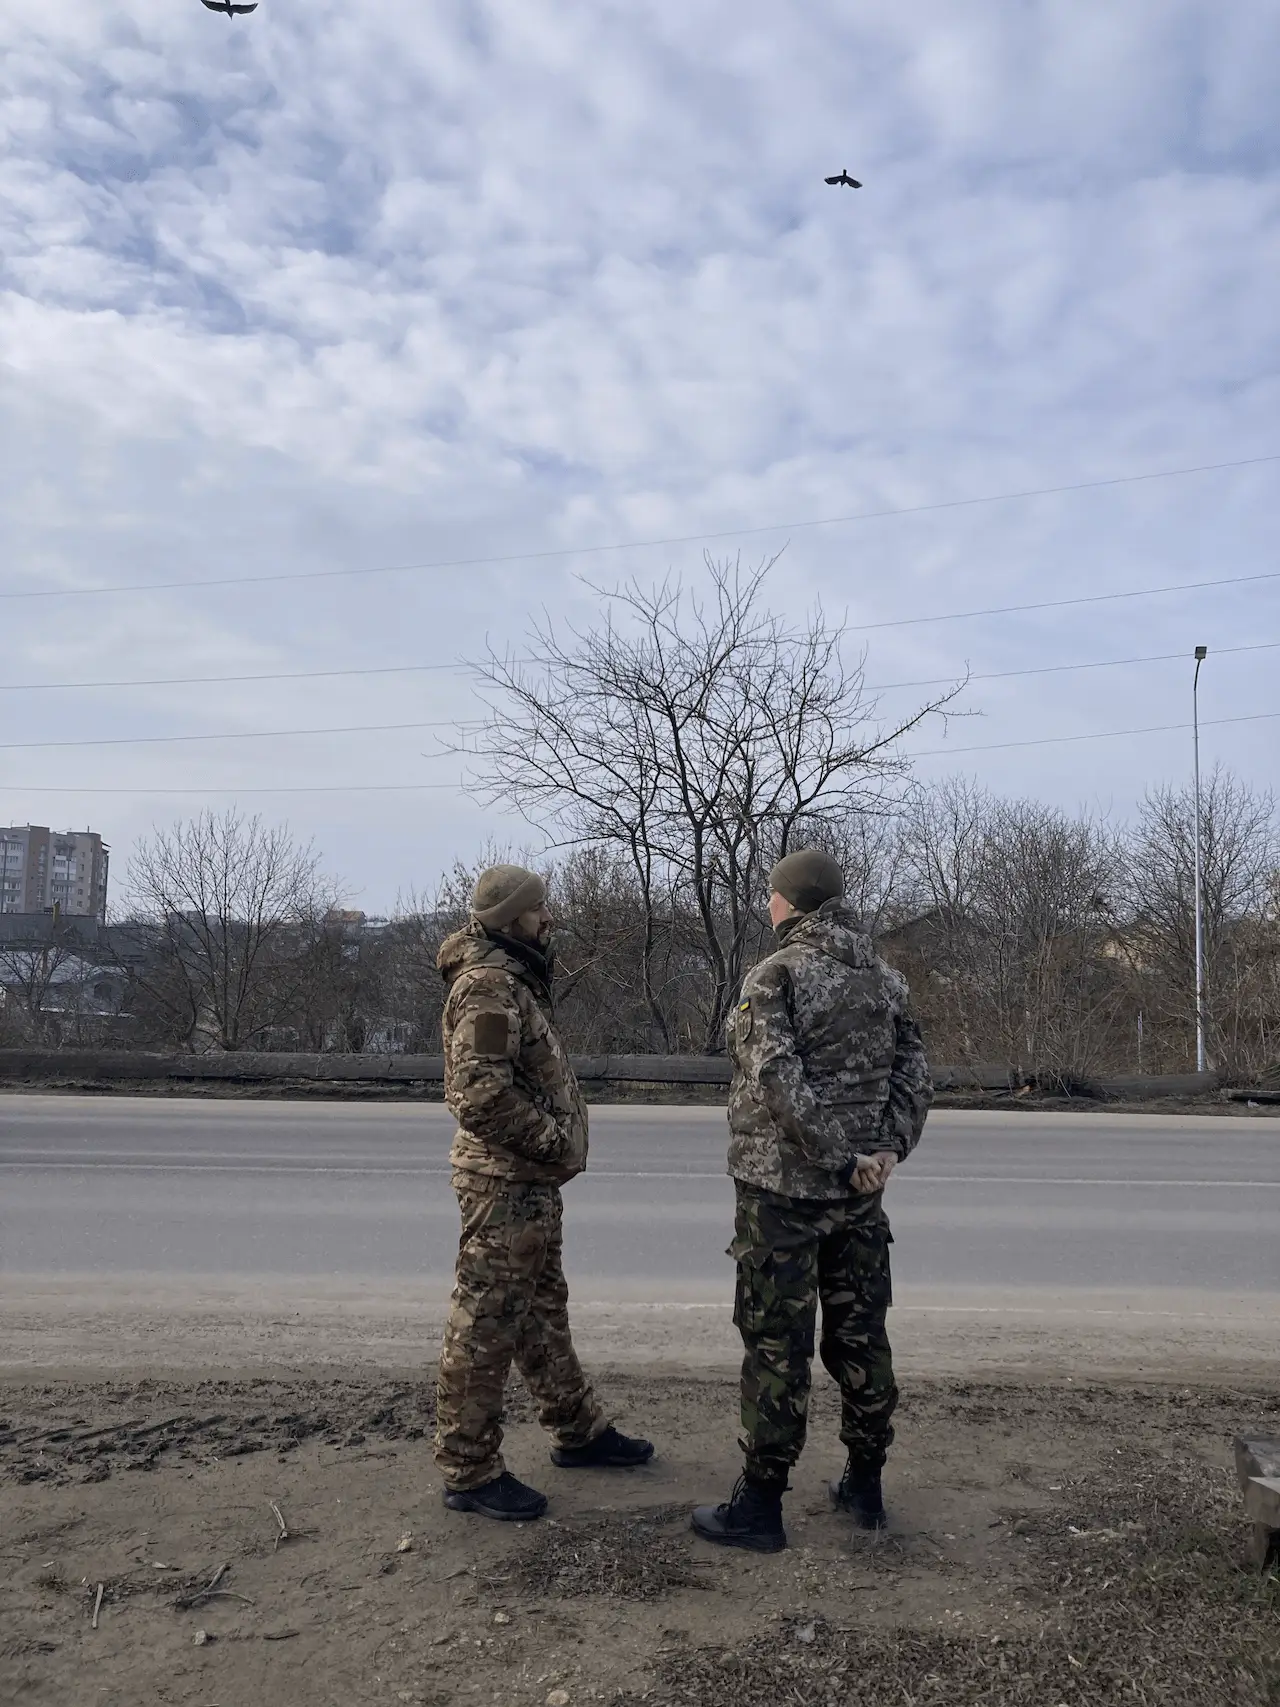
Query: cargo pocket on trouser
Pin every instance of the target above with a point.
(775, 1306)
(857, 1291)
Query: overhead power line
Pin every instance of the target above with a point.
(636, 544)
(1095, 735)
(462, 669)
(1059, 604)
(234, 735)
(234, 789)
(474, 722)
(1061, 669)
(205, 681)
(462, 723)
(458, 784)
(896, 622)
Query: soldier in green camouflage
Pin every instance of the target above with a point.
(522, 1133)
(830, 1091)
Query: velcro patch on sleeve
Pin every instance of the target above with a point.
(492, 1032)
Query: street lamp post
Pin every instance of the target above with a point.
(1202, 653)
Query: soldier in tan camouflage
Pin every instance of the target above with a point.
(522, 1132)
(830, 1091)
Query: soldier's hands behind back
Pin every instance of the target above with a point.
(864, 1176)
(887, 1161)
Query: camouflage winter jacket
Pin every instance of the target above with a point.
(507, 1079)
(828, 1062)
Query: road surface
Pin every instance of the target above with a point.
(120, 1216)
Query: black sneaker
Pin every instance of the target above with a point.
(858, 1491)
(752, 1518)
(608, 1451)
(505, 1498)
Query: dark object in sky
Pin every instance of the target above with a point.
(843, 178)
(228, 8)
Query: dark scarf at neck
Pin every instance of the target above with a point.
(539, 961)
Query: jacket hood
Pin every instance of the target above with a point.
(834, 929)
(471, 947)
(474, 946)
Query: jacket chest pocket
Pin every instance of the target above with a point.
(541, 1062)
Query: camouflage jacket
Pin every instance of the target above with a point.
(828, 1062)
(507, 1079)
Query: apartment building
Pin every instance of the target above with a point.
(42, 868)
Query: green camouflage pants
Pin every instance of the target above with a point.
(793, 1253)
(510, 1304)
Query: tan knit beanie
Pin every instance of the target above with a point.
(504, 892)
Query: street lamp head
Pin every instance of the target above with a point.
(1202, 652)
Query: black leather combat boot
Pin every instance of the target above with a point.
(505, 1497)
(752, 1517)
(858, 1491)
(608, 1451)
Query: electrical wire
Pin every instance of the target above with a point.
(462, 669)
(1059, 669)
(234, 735)
(1095, 735)
(458, 784)
(473, 723)
(204, 681)
(634, 545)
(1059, 604)
(236, 790)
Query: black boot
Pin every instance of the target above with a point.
(608, 1451)
(505, 1498)
(858, 1491)
(751, 1518)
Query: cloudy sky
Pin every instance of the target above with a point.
(345, 287)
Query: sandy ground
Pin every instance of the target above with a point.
(1052, 1543)
(133, 1322)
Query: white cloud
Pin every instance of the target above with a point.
(334, 285)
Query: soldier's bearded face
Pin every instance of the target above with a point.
(535, 926)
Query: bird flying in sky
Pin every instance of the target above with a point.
(228, 8)
(842, 178)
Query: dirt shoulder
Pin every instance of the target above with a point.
(666, 1096)
(1052, 1542)
(146, 1324)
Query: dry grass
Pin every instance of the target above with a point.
(640, 1555)
(1139, 1596)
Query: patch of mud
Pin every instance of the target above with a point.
(236, 1418)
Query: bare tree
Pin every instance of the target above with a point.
(1240, 857)
(693, 737)
(944, 836)
(233, 905)
(1015, 906)
(1047, 895)
(40, 988)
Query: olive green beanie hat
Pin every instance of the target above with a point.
(807, 878)
(504, 892)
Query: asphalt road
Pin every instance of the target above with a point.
(342, 1192)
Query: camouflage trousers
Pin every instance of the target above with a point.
(510, 1304)
(794, 1254)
